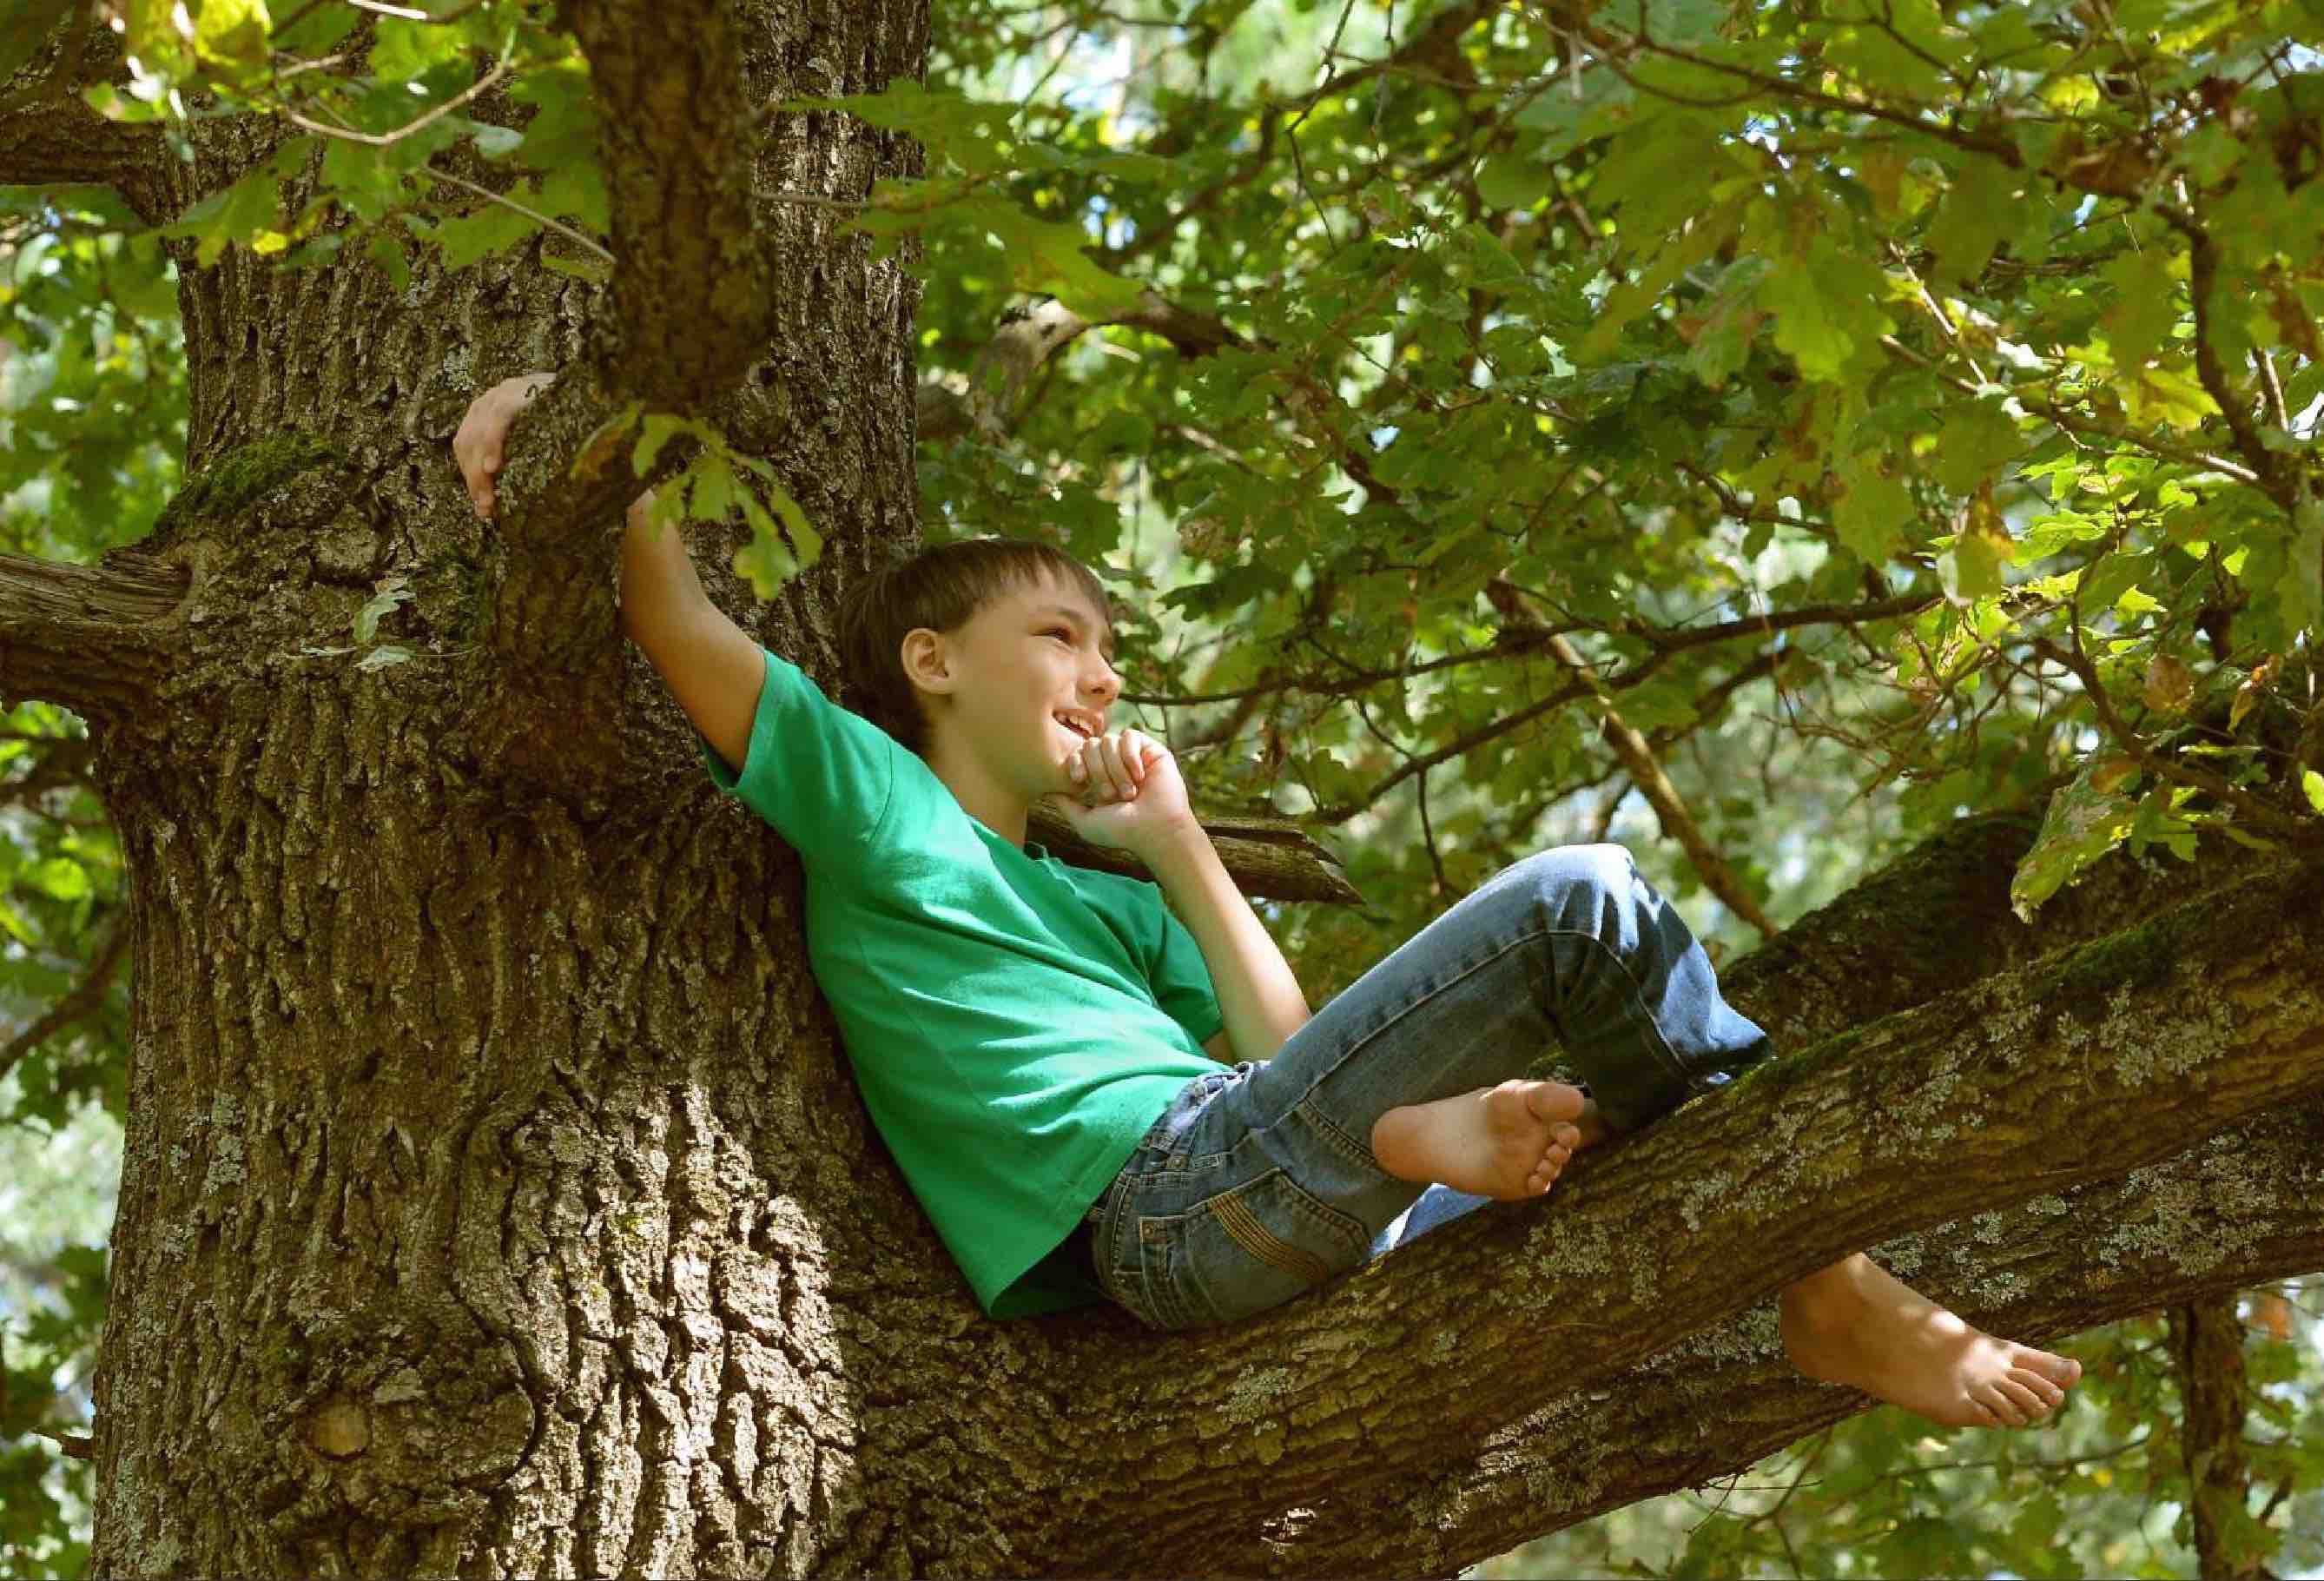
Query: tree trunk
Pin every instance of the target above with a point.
(492, 1191)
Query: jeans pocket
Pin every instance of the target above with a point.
(1244, 1251)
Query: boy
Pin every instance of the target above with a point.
(1041, 1046)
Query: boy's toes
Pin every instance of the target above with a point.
(1552, 1101)
(2064, 1372)
(2031, 1406)
(2003, 1410)
(1545, 1173)
(2040, 1388)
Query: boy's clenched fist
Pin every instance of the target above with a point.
(1127, 791)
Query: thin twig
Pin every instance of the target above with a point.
(72, 1445)
(82, 1001)
(532, 214)
(383, 139)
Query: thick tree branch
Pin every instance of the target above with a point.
(1027, 339)
(2117, 1055)
(1269, 858)
(555, 618)
(691, 295)
(2246, 1207)
(48, 136)
(95, 639)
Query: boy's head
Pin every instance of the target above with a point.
(988, 639)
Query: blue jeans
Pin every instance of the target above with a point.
(1258, 1182)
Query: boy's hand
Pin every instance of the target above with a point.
(484, 432)
(1127, 793)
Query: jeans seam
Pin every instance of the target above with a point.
(1656, 1042)
(1408, 1008)
(1339, 1140)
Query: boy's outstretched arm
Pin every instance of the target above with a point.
(710, 664)
(1259, 998)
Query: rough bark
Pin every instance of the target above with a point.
(92, 638)
(488, 1156)
(49, 136)
(2206, 1354)
(495, 1201)
(691, 294)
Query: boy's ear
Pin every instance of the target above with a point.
(926, 664)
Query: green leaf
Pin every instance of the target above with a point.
(1977, 437)
(405, 48)
(2156, 394)
(586, 266)
(381, 657)
(2313, 783)
(1979, 209)
(1041, 257)
(655, 430)
(2083, 824)
(232, 33)
(386, 250)
(1873, 513)
(393, 592)
(489, 229)
(768, 561)
(710, 488)
(1509, 180)
(61, 877)
(2101, 584)
(1566, 118)
(241, 211)
(1972, 567)
(967, 133)
(2146, 305)
(2301, 591)
(1827, 308)
(366, 180)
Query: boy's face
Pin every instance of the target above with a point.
(1013, 674)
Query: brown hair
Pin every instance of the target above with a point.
(940, 587)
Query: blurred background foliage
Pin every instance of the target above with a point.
(1761, 431)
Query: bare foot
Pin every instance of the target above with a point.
(1855, 1324)
(1507, 1142)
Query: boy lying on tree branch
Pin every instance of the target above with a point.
(1041, 1045)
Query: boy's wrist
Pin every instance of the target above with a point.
(1173, 845)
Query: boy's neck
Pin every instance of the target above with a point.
(980, 794)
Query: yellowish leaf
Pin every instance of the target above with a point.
(2170, 684)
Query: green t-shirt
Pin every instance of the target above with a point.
(1016, 1025)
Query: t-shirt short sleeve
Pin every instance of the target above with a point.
(819, 774)
(1181, 979)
